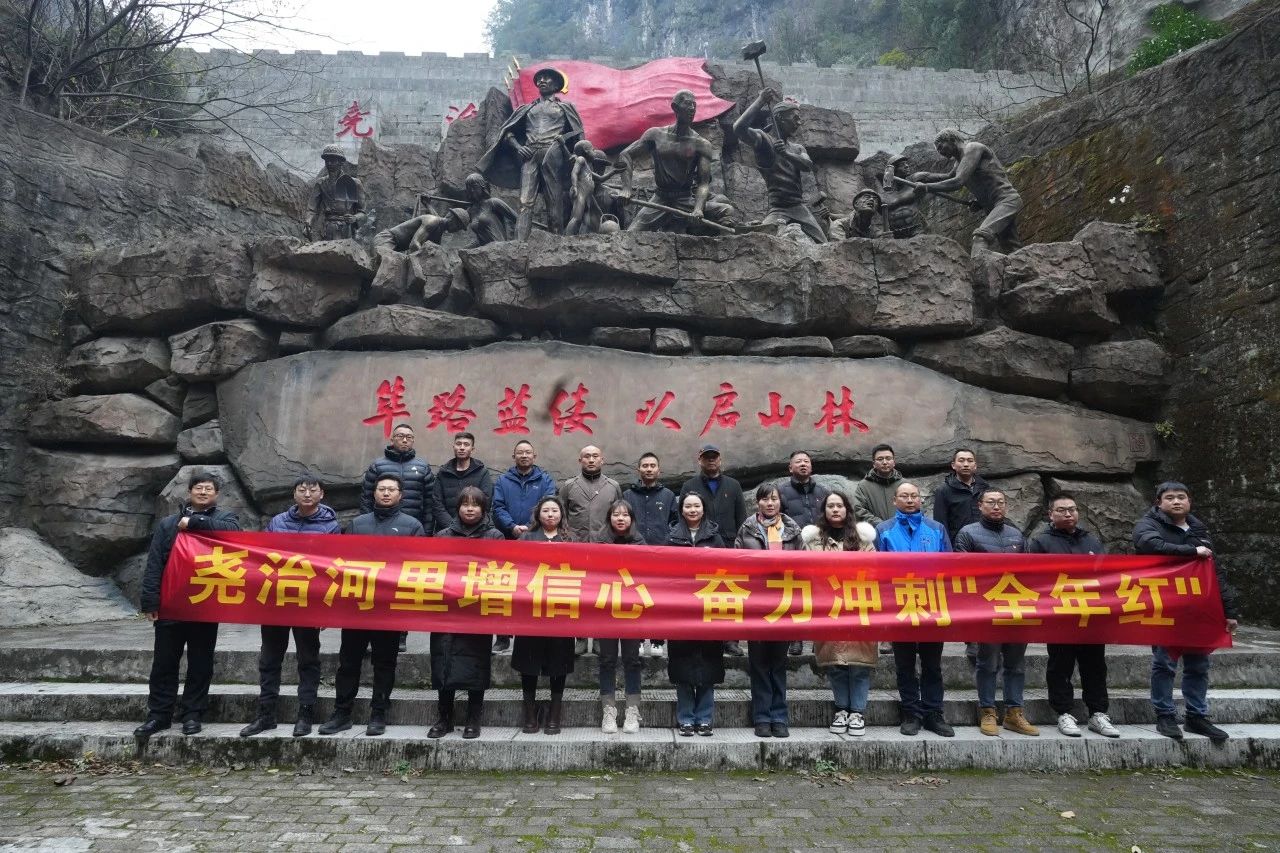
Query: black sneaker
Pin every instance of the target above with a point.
(796, 648)
(910, 726)
(339, 722)
(501, 644)
(1199, 725)
(705, 730)
(302, 727)
(258, 726)
(377, 725)
(1167, 725)
(764, 730)
(934, 723)
(780, 730)
(686, 730)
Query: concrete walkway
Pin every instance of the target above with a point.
(146, 808)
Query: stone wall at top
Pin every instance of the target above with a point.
(65, 191)
(1192, 151)
(409, 97)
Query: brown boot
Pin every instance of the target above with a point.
(530, 723)
(1015, 722)
(987, 723)
(553, 717)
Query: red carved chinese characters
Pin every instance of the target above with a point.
(513, 412)
(350, 122)
(575, 418)
(454, 113)
(722, 412)
(446, 409)
(778, 414)
(839, 414)
(390, 404)
(652, 410)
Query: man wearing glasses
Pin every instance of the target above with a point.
(993, 534)
(1064, 535)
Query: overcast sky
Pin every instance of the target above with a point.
(450, 26)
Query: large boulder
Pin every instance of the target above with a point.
(95, 508)
(1052, 289)
(1120, 258)
(408, 327)
(1128, 377)
(426, 273)
(1108, 509)
(202, 444)
(628, 400)
(125, 420)
(1002, 360)
(108, 365)
(230, 496)
(199, 405)
(158, 289)
(38, 586)
(828, 134)
(310, 285)
(169, 391)
(740, 285)
(802, 345)
(865, 346)
(217, 350)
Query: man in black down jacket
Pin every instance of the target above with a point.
(414, 472)
(1169, 528)
(721, 494)
(1064, 535)
(385, 520)
(454, 476)
(653, 504)
(955, 503)
(200, 512)
(802, 496)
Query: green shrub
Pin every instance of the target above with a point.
(897, 57)
(1177, 29)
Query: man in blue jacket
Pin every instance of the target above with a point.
(921, 695)
(199, 513)
(1169, 528)
(515, 494)
(307, 515)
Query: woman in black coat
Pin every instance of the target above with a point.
(622, 531)
(461, 661)
(549, 656)
(695, 667)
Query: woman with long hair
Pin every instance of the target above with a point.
(848, 662)
(695, 667)
(621, 531)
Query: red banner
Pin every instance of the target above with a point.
(500, 587)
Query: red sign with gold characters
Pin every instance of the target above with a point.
(567, 590)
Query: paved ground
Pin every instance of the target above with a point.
(139, 809)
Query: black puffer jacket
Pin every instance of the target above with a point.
(449, 484)
(417, 499)
(386, 522)
(1155, 533)
(462, 661)
(162, 543)
(655, 510)
(699, 663)
(802, 502)
(984, 537)
(956, 505)
(1051, 540)
(726, 507)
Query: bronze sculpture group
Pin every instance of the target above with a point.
(542, 150)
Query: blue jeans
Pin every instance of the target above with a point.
(1015, 674)
(767, 667)
(695, 705)
(920, 695)
(850, 686)
(632, 666)
(1195, 682)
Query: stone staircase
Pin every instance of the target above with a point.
(68, 691)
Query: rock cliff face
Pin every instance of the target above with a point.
(1189, 150)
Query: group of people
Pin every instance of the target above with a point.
(403, 495)
(542, 151)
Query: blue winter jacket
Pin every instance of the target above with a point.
(323, 520)
(515, 496)
(912, 534)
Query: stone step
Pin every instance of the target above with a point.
(1128, 666)
(126, 703)
(653, 749)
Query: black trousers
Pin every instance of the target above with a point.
(1063, 659)
(275, 642)
(385, 650)
(198, 639)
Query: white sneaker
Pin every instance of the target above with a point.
(839, 723)
(1067, 725)
(857, 725)
(646, 648)
(659, 650)
(1101, 724)
(631, 721)
(609, 720)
